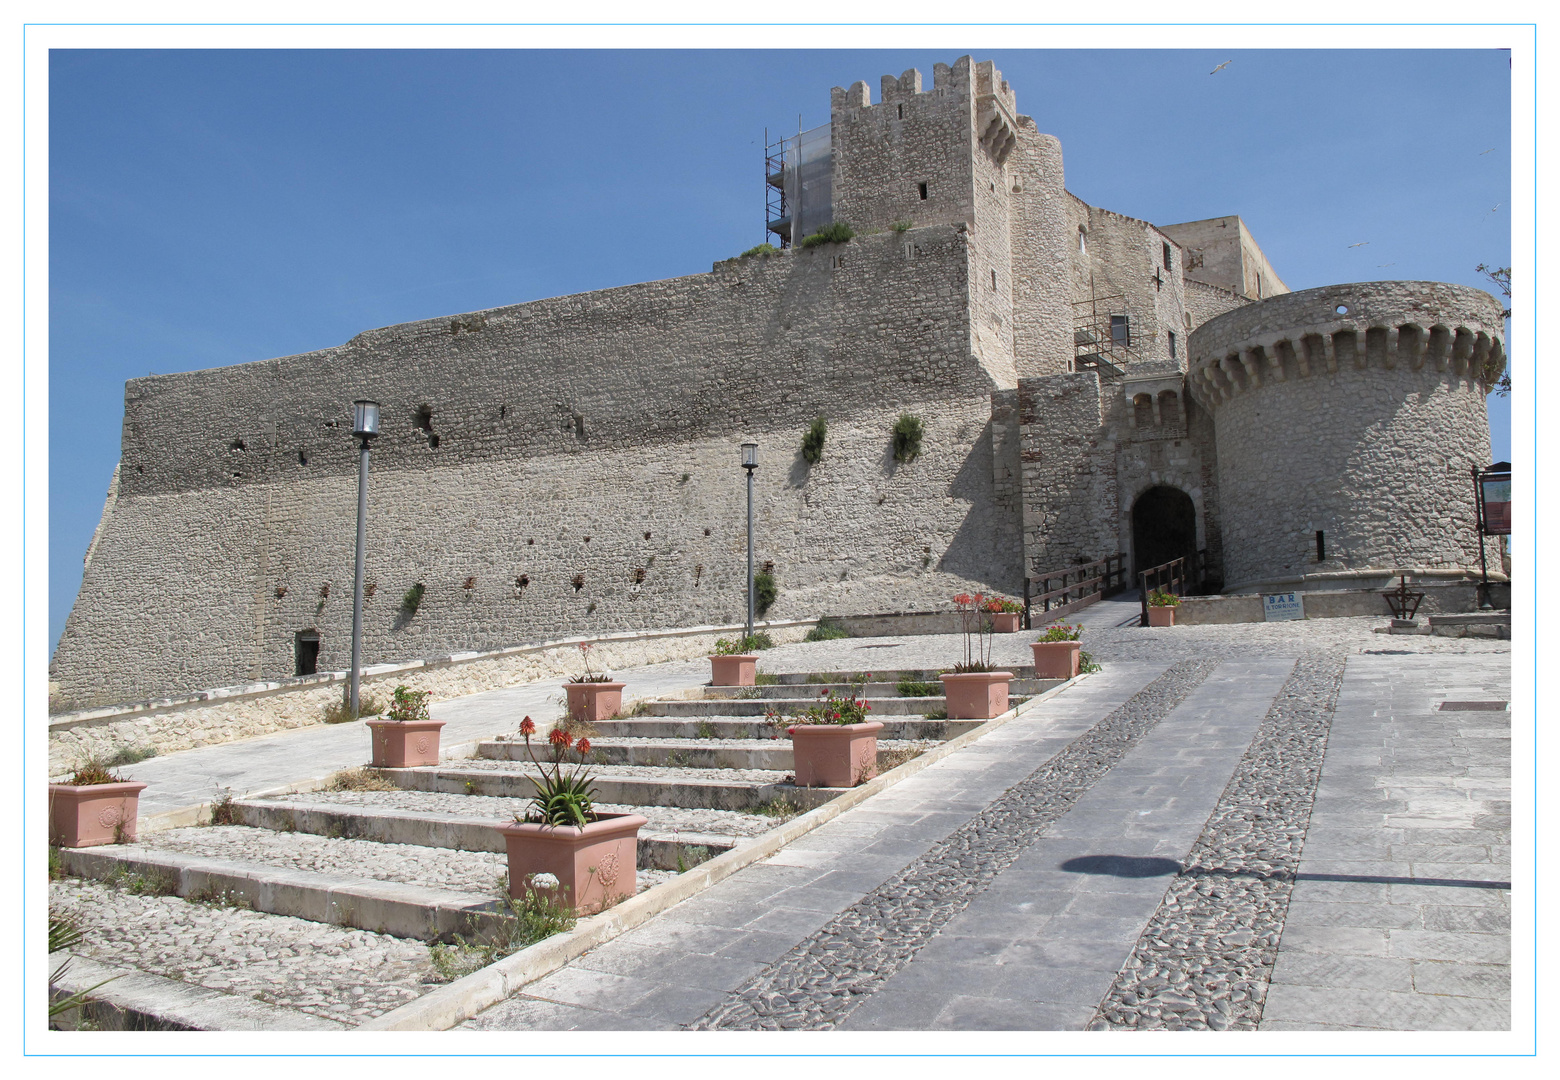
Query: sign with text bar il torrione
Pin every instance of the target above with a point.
(1277, 607)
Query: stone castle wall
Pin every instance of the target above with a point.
(1356, 410)
(584, 476)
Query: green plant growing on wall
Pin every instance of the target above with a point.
(412, 600)
(907, 437)
(902, 226)
(828, 629)
(837, 233)
(764, 591)
(812, 441)
(763, 250)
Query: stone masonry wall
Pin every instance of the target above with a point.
(585, 477)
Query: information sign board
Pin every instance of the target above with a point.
(1278, 607)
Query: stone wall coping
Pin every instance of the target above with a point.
(1309, 582)
(244, 691)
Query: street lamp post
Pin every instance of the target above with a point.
(750, 462)
(365, 425)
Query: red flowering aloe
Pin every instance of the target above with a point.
(562, 797)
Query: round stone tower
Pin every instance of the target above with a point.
(1347, 420)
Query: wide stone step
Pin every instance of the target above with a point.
(771, 754)
(398, 909)
(871, 691)
(907, 706)
(657, 850)
(879, 675)
(741, 727)
(634, 786)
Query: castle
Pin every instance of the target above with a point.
(1086, 383)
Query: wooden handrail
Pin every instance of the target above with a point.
(1079, 586)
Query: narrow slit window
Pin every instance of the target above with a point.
(922, 187)
(1172, 344)
(901, 112)
(1167, 257)
(993, 279)
(1321, 546)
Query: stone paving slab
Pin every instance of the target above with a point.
(1392, 811)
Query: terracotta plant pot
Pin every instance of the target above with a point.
(401, 744)
(1056, 659)
(593, 701)
(834, 755)
(1006, 622)
(734, 670)
(1161, 616)
(976, 695)
(86, 815)
(596, 866)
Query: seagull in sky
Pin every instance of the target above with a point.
(1481, 153)
(1362, 243)
(1221, 67)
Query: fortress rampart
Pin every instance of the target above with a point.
(1088, 382)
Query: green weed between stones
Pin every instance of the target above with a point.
(521, 924)
(828, 629)
(912, 688)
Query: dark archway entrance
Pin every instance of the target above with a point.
(1164, 527)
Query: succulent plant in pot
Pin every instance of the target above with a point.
(833, 744)
(974, 690)
(405, 736)
(560, 848)
(1058, 651)
(1006, 615)
(592, 695)
(93, 806)
(1161, 608)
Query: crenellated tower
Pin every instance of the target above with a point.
(1348, 419)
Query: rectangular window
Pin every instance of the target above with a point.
(1172, 344)
(922, 187)
(1321, 546)
(993, 279)
(1167, 258)
(1120, 331)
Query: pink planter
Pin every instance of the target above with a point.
(834, 755)
(1056, 659)
(976, 695)
(401, 744)
(593, 701)
(734, 670)
(1006, 622)
(1161, 616)
(86, 815)
(596, 866)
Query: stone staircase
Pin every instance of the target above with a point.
(412, 854)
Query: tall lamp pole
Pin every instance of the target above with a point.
(365, 425)
(750, 462)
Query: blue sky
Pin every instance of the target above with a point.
(217, 207)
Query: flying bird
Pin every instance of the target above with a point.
(1362, 243)
(1383, 266)
(1481, 153)
(1221, 67)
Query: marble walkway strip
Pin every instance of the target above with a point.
(1206, 955)
(821, 980)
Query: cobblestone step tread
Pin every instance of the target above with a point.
(135, 1000)
(663, 819)
(469, 832)
(319, 975)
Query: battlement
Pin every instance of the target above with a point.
(1442, 328)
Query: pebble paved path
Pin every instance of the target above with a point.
(1206, 955)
